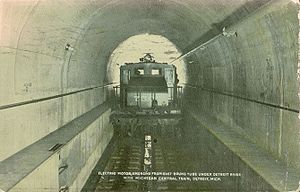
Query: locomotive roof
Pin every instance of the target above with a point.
(149, 63)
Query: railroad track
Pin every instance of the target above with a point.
(129, 157)
(155, 152)
(151, 148)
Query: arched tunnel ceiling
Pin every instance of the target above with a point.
(39, 30)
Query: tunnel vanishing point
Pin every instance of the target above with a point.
(241, 63)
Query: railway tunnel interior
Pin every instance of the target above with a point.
(240, 97)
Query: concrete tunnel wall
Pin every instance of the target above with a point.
(44, 86)
(232, 74)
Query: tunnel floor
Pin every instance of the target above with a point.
(180, 161)
(167, 156)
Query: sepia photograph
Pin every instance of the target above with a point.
(149, 96)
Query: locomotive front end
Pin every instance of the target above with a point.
(148, 86)
(147, 99)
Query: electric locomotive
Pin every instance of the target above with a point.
(149, 86)
(148, 99)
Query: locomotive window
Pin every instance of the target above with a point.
(156, 71)
(139, 71)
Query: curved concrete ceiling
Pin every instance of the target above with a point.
(38, 31)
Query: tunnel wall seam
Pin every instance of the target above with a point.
(244, 98)
(51, 97)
